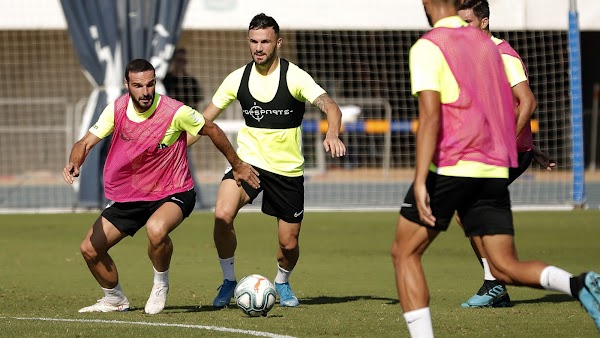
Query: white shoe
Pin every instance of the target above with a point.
(157, 300)
(104, 305)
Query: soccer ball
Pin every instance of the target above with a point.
(255, 295)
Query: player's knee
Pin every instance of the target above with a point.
(156, 233)
(88, 251)
(398, 255)
(289, 244)
(394, 252)
(223, 218)
(289, 248)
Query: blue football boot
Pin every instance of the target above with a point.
(225, 293)
(491, 294)
(286, 295)
(589, 296)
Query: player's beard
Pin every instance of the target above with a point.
(267, 58)
(142, 107)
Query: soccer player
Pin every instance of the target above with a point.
(477, 13)
(272, 93)
(147, 179)
(465, 145)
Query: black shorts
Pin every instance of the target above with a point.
(129, 217)
(525, 159)
(483, 204)
(283, 196)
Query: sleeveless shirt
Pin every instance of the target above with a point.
(138, 167)
(480, 125)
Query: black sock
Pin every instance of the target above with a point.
(577, 283)
(487, 286)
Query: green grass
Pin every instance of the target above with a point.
(344, 279)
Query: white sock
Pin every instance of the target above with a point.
(555, 279)
(419, 323)
(161, 277)
(114, 294)
(282, 275)
(487, 273)
(228, 268)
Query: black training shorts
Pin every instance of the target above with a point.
(483, 204)
(129, 217)
(283, 196)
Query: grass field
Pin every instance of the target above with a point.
(344, 279)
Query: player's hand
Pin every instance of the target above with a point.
(247, 173)
(70, 172)
(422, 199)
(335, 145)
(542, 158)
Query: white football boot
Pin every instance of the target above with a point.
(106, 305)
(158, 298)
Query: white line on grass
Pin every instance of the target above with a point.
(187, 326)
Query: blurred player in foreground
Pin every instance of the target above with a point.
(147, 179)
(461, 169)
(477, 13)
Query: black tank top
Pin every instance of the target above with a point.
(283, 112)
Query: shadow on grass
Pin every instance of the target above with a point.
(190, 308)
(207, 308)
(548, 298)
(335, 300)
(303, 301)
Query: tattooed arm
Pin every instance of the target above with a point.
(332, 141)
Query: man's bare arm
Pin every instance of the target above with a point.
(79, 152)
(332, 141)
(427, 134)
(211, 112)
(527, 105)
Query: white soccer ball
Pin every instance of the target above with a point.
(255, 295)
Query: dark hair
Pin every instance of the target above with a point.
(262, 21)
(481, 8)
(137, 66)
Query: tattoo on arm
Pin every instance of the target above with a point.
(322, 101)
